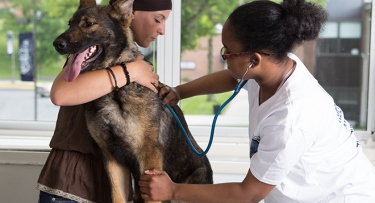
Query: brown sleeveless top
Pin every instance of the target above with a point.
(71, 132)
(74, 168)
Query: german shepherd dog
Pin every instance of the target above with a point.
(131, 126)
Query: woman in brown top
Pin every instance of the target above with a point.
(74, 169)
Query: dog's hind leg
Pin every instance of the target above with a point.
(119, 177)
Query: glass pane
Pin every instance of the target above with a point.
(330, 30)
(350, 30)
(26, 77)
(327, 46)
(339, 59)
(350, 46)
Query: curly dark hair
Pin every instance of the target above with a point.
(276, 28)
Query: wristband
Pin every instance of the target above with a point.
(126, 73)
(114, 78)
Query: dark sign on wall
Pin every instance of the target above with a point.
(25, 56)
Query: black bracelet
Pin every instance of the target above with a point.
(126, 73)
(114, 77)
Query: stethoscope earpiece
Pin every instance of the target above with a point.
(247, 70)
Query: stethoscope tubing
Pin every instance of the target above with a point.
(204, 153)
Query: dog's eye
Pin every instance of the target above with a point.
(88, 24)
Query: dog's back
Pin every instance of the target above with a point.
(131, 126)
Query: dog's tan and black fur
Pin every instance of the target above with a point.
(131, 126)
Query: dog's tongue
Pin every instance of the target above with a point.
(73, 68)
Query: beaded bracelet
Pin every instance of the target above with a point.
(126, 73)
(114, 78)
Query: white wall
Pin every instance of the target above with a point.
(19, 172)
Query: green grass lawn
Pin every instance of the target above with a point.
(200, 105)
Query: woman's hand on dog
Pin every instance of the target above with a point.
(156, 185)
(142, 72)
(169, 95)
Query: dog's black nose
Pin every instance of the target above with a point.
(60, 44)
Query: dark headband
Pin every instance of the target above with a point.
(150, 5)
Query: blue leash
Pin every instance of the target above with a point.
(236, 91)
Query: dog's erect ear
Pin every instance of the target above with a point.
(86, 3)
(111, 2)
(122, 11)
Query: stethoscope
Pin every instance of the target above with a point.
(236, 91)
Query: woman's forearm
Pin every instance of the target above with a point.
(157, 185)
(250, 190)
(86, 87)
(218, 82)
(218, 193)
(94, 84)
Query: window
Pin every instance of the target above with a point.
(340, 60)
(340, 67)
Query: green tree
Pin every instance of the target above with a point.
(20, 16)
(22, 19)
(199, 18)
